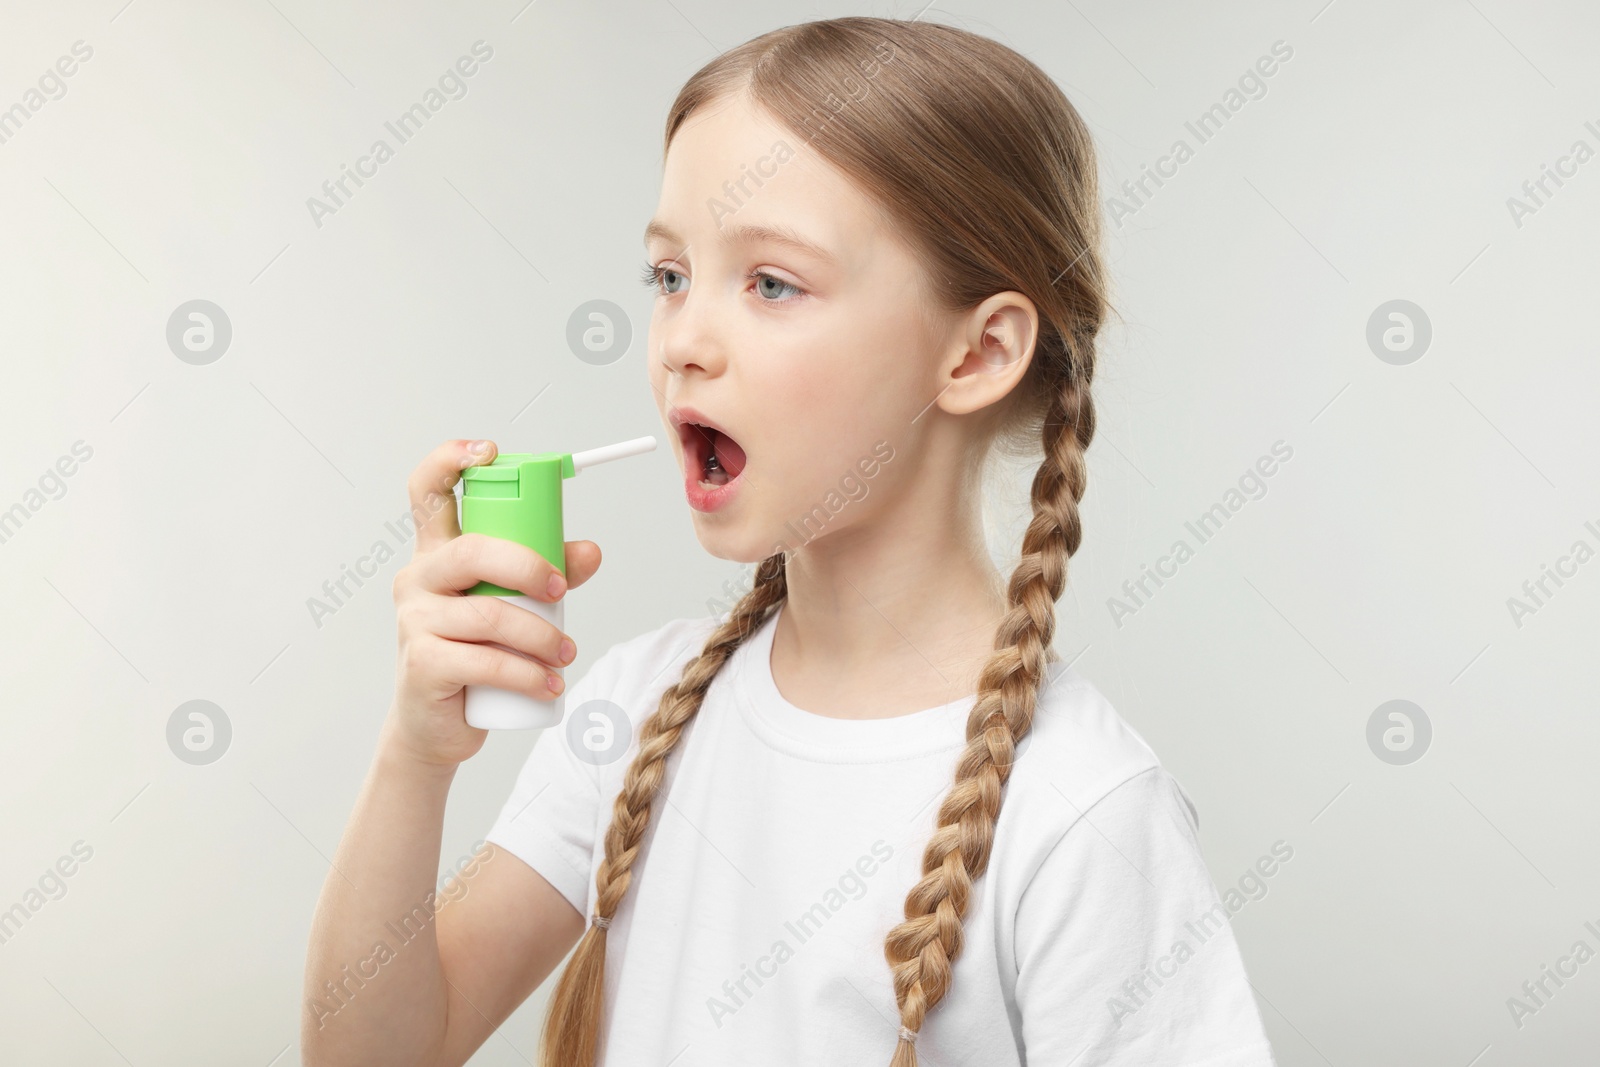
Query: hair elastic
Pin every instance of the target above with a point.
(600, 920)
(908, 1034)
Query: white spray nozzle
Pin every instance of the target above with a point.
(607, 453)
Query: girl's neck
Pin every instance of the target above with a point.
(883, 621)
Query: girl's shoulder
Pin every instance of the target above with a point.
(1077, 726)
(1078, 751)
(649, 662)
(674, 641)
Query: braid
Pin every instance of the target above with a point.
(572, 1026)
(921, 949)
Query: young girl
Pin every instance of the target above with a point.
(866, 815)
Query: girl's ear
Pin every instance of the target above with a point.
(990, 352)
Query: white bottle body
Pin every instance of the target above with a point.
(489, 708)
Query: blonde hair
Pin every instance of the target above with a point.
(979, 159)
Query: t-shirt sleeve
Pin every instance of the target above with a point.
(550, 821)
(1125, 951)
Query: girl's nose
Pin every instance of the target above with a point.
(687, 339)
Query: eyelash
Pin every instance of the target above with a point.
(650, 276)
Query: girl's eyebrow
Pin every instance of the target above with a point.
(782, 235)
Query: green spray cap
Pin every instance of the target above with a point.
(518, 497)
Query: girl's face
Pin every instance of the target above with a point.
(790, 317)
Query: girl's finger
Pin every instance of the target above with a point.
(471, 558)
(462, 663)
(432, 489)
(491, 620)
(583, 559)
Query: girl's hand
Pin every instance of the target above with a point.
(440, 626)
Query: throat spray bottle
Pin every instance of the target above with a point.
(518, 497)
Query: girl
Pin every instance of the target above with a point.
(869, 816)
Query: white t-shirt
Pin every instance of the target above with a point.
(781, 849)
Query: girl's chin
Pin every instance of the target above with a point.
(736, 546)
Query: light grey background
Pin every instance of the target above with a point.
(1378, 565)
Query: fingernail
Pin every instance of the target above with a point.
(556, 586)
(480, 447)
(568, 650)
(555, 683)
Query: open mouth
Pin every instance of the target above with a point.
(717, 457)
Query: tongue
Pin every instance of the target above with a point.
(728, 453)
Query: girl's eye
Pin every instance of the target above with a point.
(774, 290)
(664, 280)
